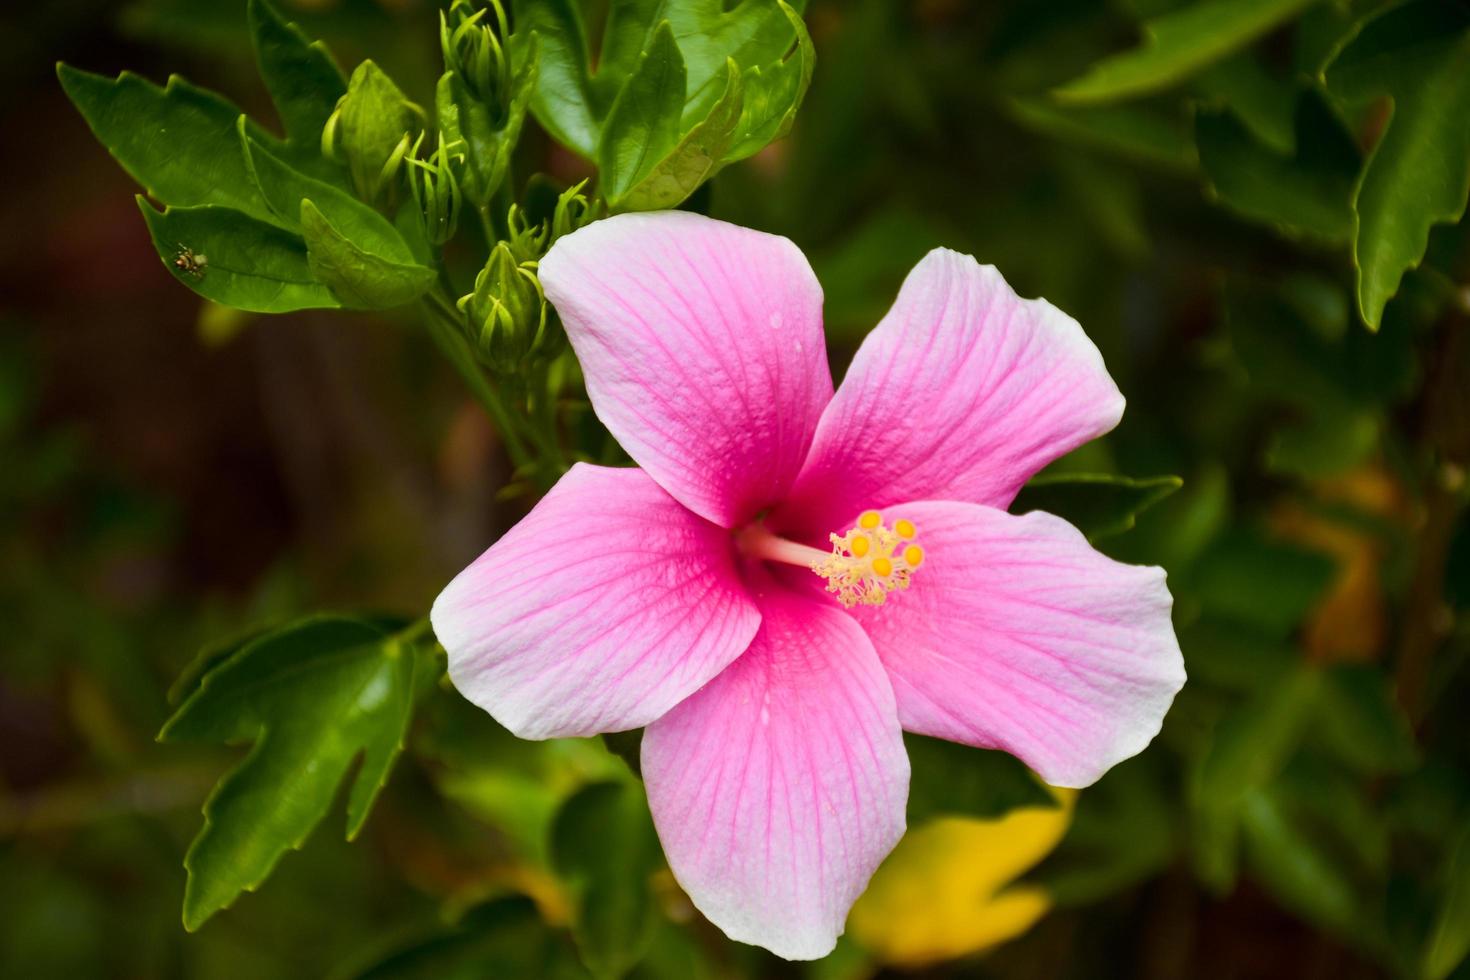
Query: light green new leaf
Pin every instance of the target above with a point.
(1305, 193)
(773, 93)
(643, 125)
(1177, 44)
(179, 142)
(1098, 504)
(693, 161)
(313, 697)
(303, 80)
(1418, 175)
(284, 188)
(235, 259)
(359, 278)
(604, 847)
(1450, 941)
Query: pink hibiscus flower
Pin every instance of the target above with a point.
(791, 577)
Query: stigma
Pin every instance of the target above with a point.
(871, 560)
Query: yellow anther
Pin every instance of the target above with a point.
(870, 560)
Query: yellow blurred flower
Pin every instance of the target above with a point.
(943, 891)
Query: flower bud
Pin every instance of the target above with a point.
(435, 188)
(506, 314)
(474, 45)
(372, 131)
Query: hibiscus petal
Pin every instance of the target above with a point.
(1016, 634)
(779, 788)
(606, 606)
(702, 346)
(962, 392)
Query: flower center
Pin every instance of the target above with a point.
(865, 564)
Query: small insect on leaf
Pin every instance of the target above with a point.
(190, 263)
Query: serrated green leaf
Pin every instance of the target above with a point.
(236, 260)
(604, 847)
(1418, 174)
(1264, 103)
(210, 656)
(284, 188)
(179, 142)
(1098, 504)
(313, 697)
(693, 161)
(358, 278)
(303, 80)
(1177, 44)
(1449, 942)
(1307, 192)
(952, 780)
(643, 125)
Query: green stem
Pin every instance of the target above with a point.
(444, 326)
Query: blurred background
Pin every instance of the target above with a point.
(173, 473)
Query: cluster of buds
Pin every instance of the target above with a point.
(507, 316)
(473, 40)
(372, 130)
(529, 240)
(435, 188)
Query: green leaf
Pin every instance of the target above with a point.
(643, 124)
(502, 938)
(314, 697)
(1291, 863)
(949, 779)
(284, 188)
(1306, 193)
(360, 279)
(1418, 175)
(1098, 504)
(210, 656)
(573, 101)
(1141, 134)
(303, 80)
(1361, 722)
(1252, 744)
(604, 847)
(693, 161)
(1178, 44)
(1450, 940)
(774, 92)
(179, 142)
(237, 260)
(1262, 583)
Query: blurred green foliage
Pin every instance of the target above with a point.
(1254, 207)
